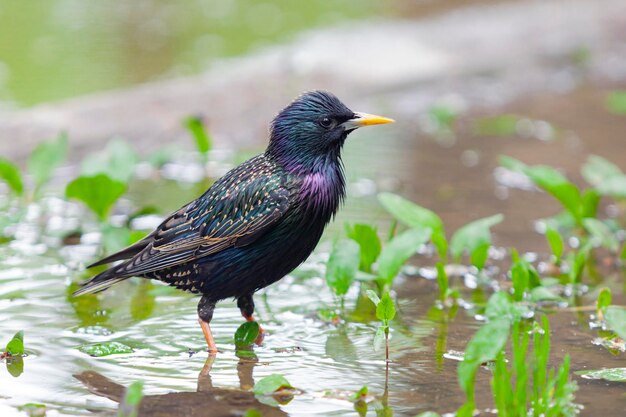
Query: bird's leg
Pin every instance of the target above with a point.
(246, 306)
(205, 314)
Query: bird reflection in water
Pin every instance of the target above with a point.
(206, 401)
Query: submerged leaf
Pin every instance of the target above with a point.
(105, 349)
(270, 384)
(99, 193)
(10, 173)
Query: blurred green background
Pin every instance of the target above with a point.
(55, 49)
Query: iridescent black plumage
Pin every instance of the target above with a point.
(256, 223)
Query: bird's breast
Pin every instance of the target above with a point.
(322, 192)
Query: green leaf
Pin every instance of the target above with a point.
(607, 374)
(552, 181)
(604, 299)
(342, 266)
(484, 346)
(129, 407)
(556, 243)
(270, 384)
(398, 251)
(597, 170)
(117, 161)
(385, 310)
(601, 234)
(252, 412)
(33, 409)
(114, 238)
(473, 237)
(15, 346)
(614, 186)
(201, 137)
(359, 395)
(623, 254)
(616, 102)
(99, 193)
(10, 173)
(500, 306)
(520, 278)
(368, 241)
(247, 333)
(444, 116)
(45, 158)
(616, 319)
(410, 213)
(379, 338)
(373, 296)
(501, 125)
(105, 349)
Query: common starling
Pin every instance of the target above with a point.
(258, 222)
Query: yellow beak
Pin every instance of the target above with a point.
(365, 119)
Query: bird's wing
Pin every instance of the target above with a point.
(231, 213)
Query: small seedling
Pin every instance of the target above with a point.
(475, 238)
(202, 139)
(15, 347)
(396, 252)
(11, 175)
(603, 302)
(385, 312)
(44, 159)
(556, 244)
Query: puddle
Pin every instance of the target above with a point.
(315, 356)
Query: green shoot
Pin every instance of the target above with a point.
(203, 141)
(556, 244)
(475, 237)
(369, 243)
(45, 158)
(603, 302)
(385, 312)
(396, 252)
(117, 161)
(10, 174)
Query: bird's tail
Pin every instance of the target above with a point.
(102, 281)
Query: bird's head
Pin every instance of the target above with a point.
(313, 128)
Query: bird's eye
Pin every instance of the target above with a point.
(326, 122)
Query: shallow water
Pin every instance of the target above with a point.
(319, 358)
